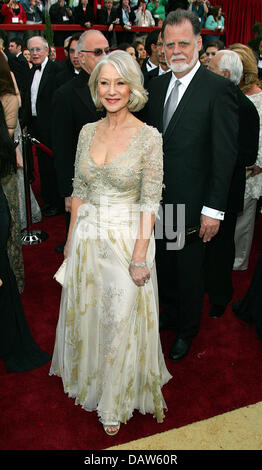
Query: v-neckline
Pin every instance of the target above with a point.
(118, 156)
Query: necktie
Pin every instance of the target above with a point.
(170, 105)
(37, 67)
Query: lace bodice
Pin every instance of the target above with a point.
(136, 175)
(254, 184)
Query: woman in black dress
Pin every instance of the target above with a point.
(18, 349)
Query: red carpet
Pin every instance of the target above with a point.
(222, 372)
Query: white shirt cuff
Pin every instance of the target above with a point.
(213, 213)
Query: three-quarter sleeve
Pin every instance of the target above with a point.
(79, 180)
(152, 172)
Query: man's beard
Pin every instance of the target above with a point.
(183, 67)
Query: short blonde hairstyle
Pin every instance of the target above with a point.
(129, 71)
(250, 70)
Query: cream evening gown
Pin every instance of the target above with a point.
(107, 348)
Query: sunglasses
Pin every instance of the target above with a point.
(97, 52)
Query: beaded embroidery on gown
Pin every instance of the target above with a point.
(107, 349)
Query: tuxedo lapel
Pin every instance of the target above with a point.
(44, 78)
(191, 89)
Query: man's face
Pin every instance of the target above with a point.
(213, 64)
(72, 54)
(160, 50)
(181, 47)
(88, 60)
(13, 48)
(38, 52)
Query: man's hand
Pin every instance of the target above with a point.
(209, 228)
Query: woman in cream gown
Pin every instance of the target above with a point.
(107, 348)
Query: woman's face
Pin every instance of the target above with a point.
(131, 50)
(141, 51)
(113, 91)
(108, 4)
(125, 3)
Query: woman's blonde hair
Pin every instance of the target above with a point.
(129, 71)
(250, 70)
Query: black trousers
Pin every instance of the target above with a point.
(47, 173)
(219, 260)
(181, 285)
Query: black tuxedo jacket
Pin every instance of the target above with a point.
(149, 75)
(200, 144)
(247, 150)
(42, 128)
(73, 107)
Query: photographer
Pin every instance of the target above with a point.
(60, 13)
(200, 8)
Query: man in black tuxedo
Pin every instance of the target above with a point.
(200, 148)
(73, 107)
(220, 251)
(162, 67)
(38, 120)
(20, 68)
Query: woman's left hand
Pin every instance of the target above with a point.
(139, 275)
(254, 169)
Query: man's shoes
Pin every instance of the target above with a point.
(52, 211)
(216, 311)
(179, 349)
(60, 248)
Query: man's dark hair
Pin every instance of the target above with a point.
(215, 43)
(152, 38)
(17, 41)
(179, 16)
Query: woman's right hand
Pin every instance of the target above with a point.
(139, 275)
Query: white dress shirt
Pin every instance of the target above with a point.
(35, 85)
(185, 81)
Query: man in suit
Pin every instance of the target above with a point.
(220, 252)
(162, 65)
(197, 112)
(38, 113)
(20, 68)
(73, 107)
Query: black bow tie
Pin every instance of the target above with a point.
(37, 67)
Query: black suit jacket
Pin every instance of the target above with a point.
(102, 16)
(41, 128)
(247, 150)
(200, 144)
(73, 107)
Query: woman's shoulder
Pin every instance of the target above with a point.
(151, 135)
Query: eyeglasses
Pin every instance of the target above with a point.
(98, 52)
(35, 49)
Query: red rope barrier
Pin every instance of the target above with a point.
(78, 27)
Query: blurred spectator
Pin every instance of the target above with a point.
(151, 48)
(157, 10)
(215, 21)
(126, 19)
(26, 54)
(108, 16)
(84, 14)
(60, 13)
(71, 66)
(35, 15)
(13, 13)
(140, 48)
(203, 57)
(212, 46)
(124, 46)
(143, 16)
(200, 8)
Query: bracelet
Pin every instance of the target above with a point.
(138, 265)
